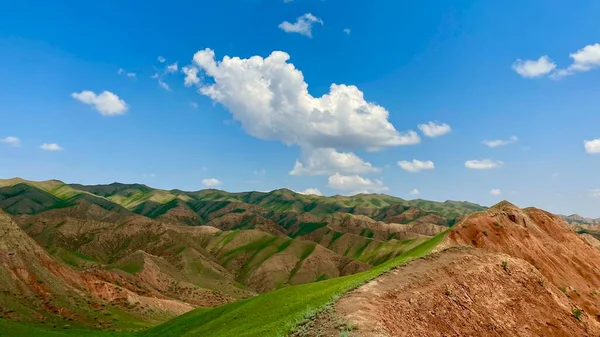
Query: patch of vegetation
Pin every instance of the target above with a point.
(287, 307)
(563, 289)
(367, 232)
(307, 228)
(284, 245)
(321, 277)
(505, 265)
(335, 236)
(577, 313)
(133, 267)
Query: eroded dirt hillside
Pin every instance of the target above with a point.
(501, 272)
(565, 258)
(460, 291)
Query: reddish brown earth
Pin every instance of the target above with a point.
(457, 292)
(525, 274)
(566, 259)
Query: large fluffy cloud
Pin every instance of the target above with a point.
(353, 184)
(270, 99)
(107, 103)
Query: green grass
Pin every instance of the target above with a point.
(278, 312)
(307, 228)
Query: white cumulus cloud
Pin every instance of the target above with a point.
(416, 165)
(592, 146)
(161, 59)
(585, 59)
(484, 164)
(107, 103)
(501, 142)
(354, 184)
(303, 25)
(311, 191)
(270, 99)
(50, 147)
(495, 192)
(434, 129)
(191, 76)
(534, 68)
(328, 161)
(11, 140)
(414, 191)
(211, 182)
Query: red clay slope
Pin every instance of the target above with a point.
(567, 260)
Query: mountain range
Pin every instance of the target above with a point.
(95, 260)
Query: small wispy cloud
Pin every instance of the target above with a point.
(194, 105)
(107, 103)
(435, 129)
(171, 68)
(51, 147)
(11, 141)
(161, 59)
(311, 191)
(303, 25)
(347, 31)
(484, 164)
(164, 85)
(592, 146)
(211, 182)
(501, 142)
(415, 165)
(414, 191)
(495, 192)
(534, 68)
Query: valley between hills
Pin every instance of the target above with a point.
(130, 260)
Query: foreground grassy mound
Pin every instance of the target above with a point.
(278, 312)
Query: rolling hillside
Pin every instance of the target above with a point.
(208, 248)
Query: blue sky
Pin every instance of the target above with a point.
(479, 70)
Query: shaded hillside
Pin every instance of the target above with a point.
(209, 248)
(280, 212)
(38, 289)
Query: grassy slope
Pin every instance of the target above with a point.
(278, 312)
